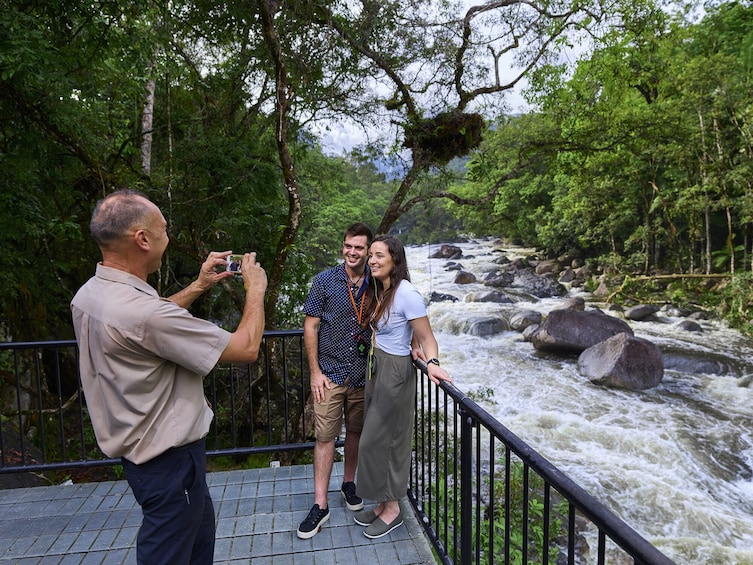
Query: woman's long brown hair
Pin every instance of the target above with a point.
(378, 300)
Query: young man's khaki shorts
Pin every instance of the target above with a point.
(329, 413)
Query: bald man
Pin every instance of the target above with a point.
(142, 363)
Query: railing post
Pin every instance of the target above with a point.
(466, 486)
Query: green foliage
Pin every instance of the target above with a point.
(337, 191)
(733, 300)
(482, 394)
(494, 521)
(230, 463)
(721, 257)
(639, 154)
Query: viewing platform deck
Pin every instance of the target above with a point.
(258, 512)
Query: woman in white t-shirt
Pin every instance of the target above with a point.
(402, 333)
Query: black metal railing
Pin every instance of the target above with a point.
(482, 495)
(44, 425)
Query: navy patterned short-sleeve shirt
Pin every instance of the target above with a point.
(329, 299)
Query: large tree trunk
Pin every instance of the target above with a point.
(707, 210)
(725, 193)
(286, 162)
(147, 118)
(280, 392)
(397, 206)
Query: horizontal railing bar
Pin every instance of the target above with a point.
(37, 344)
(54, 344)
(90, 463)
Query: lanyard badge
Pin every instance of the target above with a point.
(362, 344)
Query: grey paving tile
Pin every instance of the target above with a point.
(265, 505)
(264, 523)
(41, 545)
(266, 488)
(367, 555)
(63, 543)
(225, 527)
(80, 544)
(126, 538)
(245, 525)
(104, 540)
(226, 507)
(261, 545)
(301, 471)
(246, 506)
(249, 489)
(95, 558)
(241, 547)
(232, 491)
(19, 547)
(5, 543)
(222, 548)
(324, 557)
(303, 559)
(235, 477)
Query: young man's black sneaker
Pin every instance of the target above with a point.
(353, 502)
(312, 525)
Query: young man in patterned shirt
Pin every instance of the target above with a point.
(337, 348)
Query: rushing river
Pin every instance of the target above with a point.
(674, 462)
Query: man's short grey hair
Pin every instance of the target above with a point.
(117, 214)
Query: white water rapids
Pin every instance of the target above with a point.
(674, 462)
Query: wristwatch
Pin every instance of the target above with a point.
(434, 360)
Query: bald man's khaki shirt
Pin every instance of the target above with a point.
(142, 363)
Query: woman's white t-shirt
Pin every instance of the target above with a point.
(395, 335)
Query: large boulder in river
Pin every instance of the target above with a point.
(485, 327)
(573, 303)
(705, 362)
(499, 279)
(488, 296)
(521, 319)
(441, 297)
(480, 326)
(641, 311)
(689, 326)
(464, 277)
(549, 266)
(538, 285)
(573, 331)
(447, 252)
(567, 276)
(623, 361)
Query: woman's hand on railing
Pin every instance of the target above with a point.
(434, 372)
